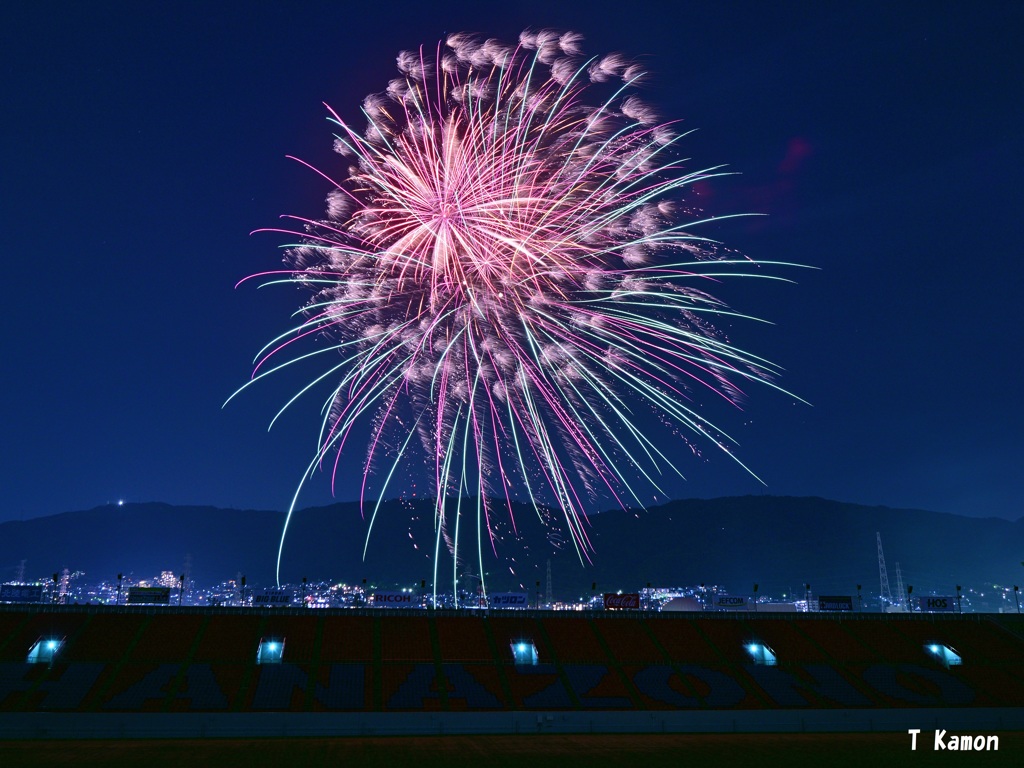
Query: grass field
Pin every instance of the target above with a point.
(875, 750)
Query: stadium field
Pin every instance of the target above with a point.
(877, 750)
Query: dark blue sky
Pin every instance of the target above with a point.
(141, 143)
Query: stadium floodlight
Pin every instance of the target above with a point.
(44, 649)
(271, 650)
(762, 654)
(524, 652)
(946, 655)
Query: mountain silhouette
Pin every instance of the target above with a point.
(780, 543)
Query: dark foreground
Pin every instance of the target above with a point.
(877, 750)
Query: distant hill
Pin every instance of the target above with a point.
(781, 543)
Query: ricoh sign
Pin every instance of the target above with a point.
(392, 599)
(938, 604)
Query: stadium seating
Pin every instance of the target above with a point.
(835, 639)
(170, 660)
(348, 638)
(884, 639)
(628, 642)
(681, 641)
(463, 639)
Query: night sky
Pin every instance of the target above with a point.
(142, 143)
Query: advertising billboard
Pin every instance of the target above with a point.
(21, 593)
(938, 603)
(150, 595)
(629, 601)
(385, 599)
(507, 600)
(730, 603)
(273, 598)
(835, 602)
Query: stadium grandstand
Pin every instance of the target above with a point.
(144, 671)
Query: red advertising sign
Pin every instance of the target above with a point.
(629, 601)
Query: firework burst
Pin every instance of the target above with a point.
(505, 283)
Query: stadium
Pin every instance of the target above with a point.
(92, 675)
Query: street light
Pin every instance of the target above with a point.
(860, 604)
(1016, 599)
(959, 608)
(755, 597)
